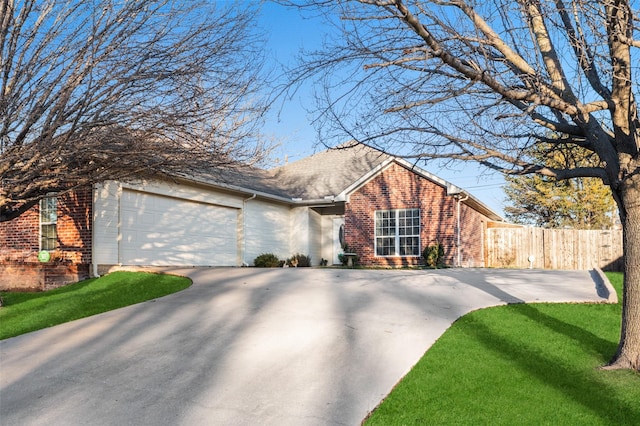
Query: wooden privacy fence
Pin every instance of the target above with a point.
(553, 248)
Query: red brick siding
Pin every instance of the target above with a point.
(19, 237)
(74, 226)
(399, 188)
(472, 231)
(19, 241)
(31, 276)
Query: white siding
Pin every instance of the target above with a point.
(315, 237)
(281, 230)
(106, 199)
(328, 238)
(160, 230)
(129, 219)
(191, 193)
(110, 233)
(299, 234)
(267, 229)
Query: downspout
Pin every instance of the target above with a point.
(460, 200)
(94, 265)
(244, 229)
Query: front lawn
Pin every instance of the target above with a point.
(525, 364)
(25, 312)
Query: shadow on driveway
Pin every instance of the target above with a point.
(255, 346)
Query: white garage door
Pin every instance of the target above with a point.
(159, 230)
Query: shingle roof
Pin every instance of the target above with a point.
(324, 174)
(327, 173)
(247, 178)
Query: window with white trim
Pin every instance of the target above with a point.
(48, 223)
(397, 232)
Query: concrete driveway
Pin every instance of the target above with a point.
(249, 346)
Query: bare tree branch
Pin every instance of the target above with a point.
(488, 80)
(120, 90)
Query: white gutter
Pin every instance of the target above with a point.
(94, 265)
(262, 194)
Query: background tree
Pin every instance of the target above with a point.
(578, 203)
(484, 81)
(107, 89)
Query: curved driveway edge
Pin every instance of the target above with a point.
(245, 346)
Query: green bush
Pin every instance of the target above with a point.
(434, 255)
(299, 260)
(267, 260)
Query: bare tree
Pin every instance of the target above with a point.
(124, 89)
(485, 81)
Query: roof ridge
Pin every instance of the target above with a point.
(328, 172)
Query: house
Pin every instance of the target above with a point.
(385, 209)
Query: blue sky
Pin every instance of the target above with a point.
(291, 126)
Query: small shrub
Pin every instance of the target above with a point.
(299, 260)
(324, 262)
(267, 260)
(434, 255)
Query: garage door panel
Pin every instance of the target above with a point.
(159, 230)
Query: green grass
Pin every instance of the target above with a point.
(526, 364)
(25, 312)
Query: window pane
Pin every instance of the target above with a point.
(48, 210)
(409, 246)
(49, 237)
(385, 223)
(385, 246)
(397, 232)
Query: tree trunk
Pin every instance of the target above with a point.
(628, 353)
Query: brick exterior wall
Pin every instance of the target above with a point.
(473, 229)
(32, 276)
(399, 188)
(20, 243)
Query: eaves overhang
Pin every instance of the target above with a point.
(261, 194)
